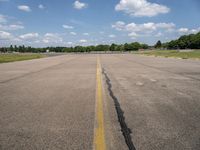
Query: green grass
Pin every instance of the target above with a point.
(4, 58)
(173, 53)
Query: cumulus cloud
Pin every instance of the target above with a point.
(159, 34)
(5, 35)
(151, 29)
(140, 8)
(112, 36)
(135, 30)
(183, 31)
(73, 33)
(79, 5)
(52, 38)
(83, 41)
(5, 24)
(133, 34)
(67, 27)
(193, 31)
(166, 25)
(24, 8)
(86, 34)
(29, 36)
(40, 6)
(145, 27)
(119, 25)
(69, 43)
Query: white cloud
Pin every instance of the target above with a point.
(165, 25)
(79, 5)
(188, 31)
(141, 8)
(83, 41)
(133, 35)
(145, 28)
(5, 35)
(73, 33)
(119, 25)
(159, 34)
(52, 38)
(67, 27)
(5, 24)
(183, 30)
(86, 34)
(69, 43)
(40, 6)
(24, 8)
(112, 36)
(29, 36)
(194, 31)
(150, 26)
(11, 27)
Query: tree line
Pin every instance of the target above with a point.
(191, 41)
(113, 47)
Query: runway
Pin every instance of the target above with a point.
(148, 103)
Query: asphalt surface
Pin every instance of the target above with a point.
(149, 103)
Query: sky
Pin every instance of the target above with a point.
(41, 23)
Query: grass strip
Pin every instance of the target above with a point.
(4, 58)
(172, 53)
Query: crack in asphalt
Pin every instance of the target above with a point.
(120, 114)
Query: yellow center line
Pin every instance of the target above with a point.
(99, 133)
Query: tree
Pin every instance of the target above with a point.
(135, 46)
(191, 41)
(11, 48)
(158, 44)
(144, 46)
(16, 48)
(173, 44)
(132, 46)
(113, 47)
(127, 47)
(120, 48)
(182, 45)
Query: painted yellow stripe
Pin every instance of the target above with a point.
(99, 133)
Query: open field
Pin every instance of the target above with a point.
(55, 102)
(4, 58)
(172, 53)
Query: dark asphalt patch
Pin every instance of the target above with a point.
(120, 114)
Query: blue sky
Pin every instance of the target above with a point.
(41, 23)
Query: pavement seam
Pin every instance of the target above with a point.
(126, 131)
